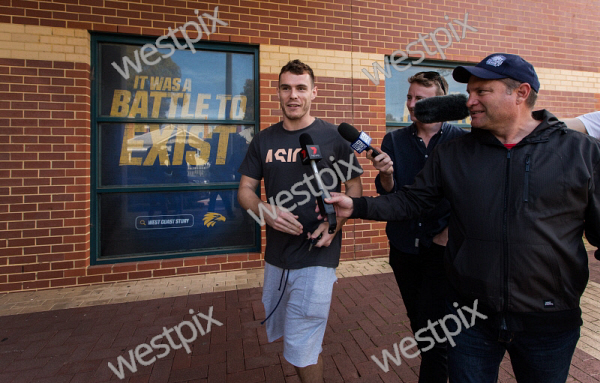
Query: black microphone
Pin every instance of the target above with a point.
(442, 108)
(310, 155)
(360, 140)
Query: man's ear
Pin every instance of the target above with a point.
(313, 92)
(523, 92)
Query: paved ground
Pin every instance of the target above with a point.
(70, 335)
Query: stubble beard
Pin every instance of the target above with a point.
(293, 117)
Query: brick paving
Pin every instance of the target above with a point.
(70, 335)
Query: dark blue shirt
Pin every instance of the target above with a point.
(408, 152)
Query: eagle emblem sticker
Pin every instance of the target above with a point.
(211, 218)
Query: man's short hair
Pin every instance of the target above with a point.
(511, 85)
(429, 79)
(298, 67)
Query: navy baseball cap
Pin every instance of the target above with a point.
(497, 66)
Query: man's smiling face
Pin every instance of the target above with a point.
(296, 93)
(490, 104)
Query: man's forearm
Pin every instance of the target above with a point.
(396, 206)
(249, 200)
(575, 124)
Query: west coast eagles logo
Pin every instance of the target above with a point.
(495, 60)
(211, 218)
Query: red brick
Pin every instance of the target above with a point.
(50, 257)
(163, 272)
(36, 267)
(209, 268)
(123, 268)
(211, 259)
(166, 264)
(21, 277)
(148, 265)
(187, 270)
(115, 277)
(237, 257)
(36, 285)
(231, 266)
(75, 273)
(63, 282)
(53, 23)
(11, 269)
(194, 261)
(96, 270)
(140, 274)
(89, 279)
(62, 265)
(252, 264)
(50, 274)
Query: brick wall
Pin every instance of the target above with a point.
(45, 172)
(45, 101)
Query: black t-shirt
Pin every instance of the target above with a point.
(273, 155)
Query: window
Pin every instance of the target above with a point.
(167, 140)
(396, 88)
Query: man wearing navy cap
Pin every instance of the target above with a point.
(523, 189)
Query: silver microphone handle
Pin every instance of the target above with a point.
(313, 164)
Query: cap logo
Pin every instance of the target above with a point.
(496, 60)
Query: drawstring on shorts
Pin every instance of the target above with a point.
(279, 301)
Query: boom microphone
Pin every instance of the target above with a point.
(360, 140)
(310, 155)
(442, 108)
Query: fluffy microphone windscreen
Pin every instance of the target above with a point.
(348, 131)
(442, 108)
(305, 139)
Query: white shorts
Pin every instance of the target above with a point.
(301, 317)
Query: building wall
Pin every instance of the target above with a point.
(45, 100)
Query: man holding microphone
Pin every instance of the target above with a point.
(522, 190)
(417, 245)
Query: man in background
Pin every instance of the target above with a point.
(417, 245)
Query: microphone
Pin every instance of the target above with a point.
(311, 154)
(360, 140)
(442, 108)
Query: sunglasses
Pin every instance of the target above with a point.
(434, 76)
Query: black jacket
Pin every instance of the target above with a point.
(517, 220)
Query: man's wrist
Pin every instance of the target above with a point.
(359, 207)
(387, 181)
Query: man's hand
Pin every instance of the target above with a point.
(385, 165)
(382, 162)
(326, 238)
(285, 221)
(342, 203)
(441, 238)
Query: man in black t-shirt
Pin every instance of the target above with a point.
(297, 310)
